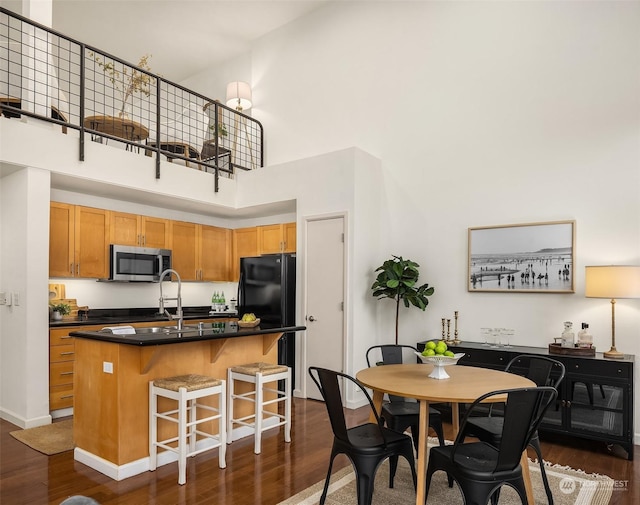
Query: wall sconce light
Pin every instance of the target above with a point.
(239, 95)
(612, 281)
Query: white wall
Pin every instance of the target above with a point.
(24, 337)
(482, 113)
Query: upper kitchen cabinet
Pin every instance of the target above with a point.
(215, 253)
(277, 238)
(61, 239)
(78, 241)
(143, 231)
(183, 250)
(201, 252)
(245, 243)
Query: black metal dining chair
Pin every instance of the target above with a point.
(543, 371)
(400, 413)
(480, 468)
(366, 445)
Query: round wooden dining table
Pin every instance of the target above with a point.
(464, 385)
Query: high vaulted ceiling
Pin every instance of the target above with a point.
(184, 37)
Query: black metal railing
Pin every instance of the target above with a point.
(46, 75)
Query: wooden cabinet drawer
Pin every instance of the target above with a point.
(65, 352)
(489, 358)
(600, 368)
(61, 397)
(60, 373)
(59, 337)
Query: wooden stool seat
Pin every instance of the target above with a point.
(186, 390)
(260, 374)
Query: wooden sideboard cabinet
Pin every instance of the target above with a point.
(595, 399)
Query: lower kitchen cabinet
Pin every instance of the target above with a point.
(595, 399)
(62, 357)
(61, 361)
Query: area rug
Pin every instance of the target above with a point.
(569, 487)
(50, 439)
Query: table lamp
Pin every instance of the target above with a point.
(239, 95)
(612, 281)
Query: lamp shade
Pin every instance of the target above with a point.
(239, 95)
(612, 281)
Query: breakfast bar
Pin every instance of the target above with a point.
(112, 374)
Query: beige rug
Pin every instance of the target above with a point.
(569, 487)
(50, 439)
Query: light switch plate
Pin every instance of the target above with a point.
(107, 367)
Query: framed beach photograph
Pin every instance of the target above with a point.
(522, 258)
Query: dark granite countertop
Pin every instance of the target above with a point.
(109, 317)
(210, 331)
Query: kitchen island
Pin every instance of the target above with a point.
(111, 383)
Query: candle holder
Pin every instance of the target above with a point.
(443, 321)
(448, 339)
(456, 340)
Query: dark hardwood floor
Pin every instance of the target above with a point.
(282, 470)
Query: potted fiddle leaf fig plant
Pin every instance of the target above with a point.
(397, 279)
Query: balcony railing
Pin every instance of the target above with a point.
(46, 75)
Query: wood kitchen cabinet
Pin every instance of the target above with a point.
(245, 243)
(277, 238)
(61, 239)
(78, 241)
(201, 252)
(135, 230)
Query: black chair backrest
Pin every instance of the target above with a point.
(329, 386)
(524, 410)
(539, 369)
(391, 355)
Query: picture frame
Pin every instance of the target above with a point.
(522, 258)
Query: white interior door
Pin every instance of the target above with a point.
(325, 282)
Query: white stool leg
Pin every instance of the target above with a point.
(230, 404)
(222, 427)
(193, 417)
(287, 407)
(258, 414)
(182, 437)
(153, 424)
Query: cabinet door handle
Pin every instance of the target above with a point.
(66, 397)
(139, 241)
(144, 240)
(66, 336)
(71, 268)
(78, 269)
(66, 373)
(68, 353)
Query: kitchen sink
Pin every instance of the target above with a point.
(155, 329)
(165, 329)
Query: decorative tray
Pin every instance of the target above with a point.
(572, 351)
(249, 324)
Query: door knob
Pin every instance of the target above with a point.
(311, 318)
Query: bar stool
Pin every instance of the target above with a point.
(186, 390)
(260, 374)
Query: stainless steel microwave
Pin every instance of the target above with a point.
(137, 264)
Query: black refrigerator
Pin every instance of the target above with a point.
(267, 288)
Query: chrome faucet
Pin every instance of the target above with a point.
(178, 298)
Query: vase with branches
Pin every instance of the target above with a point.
(397, 279)
(127, 80)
